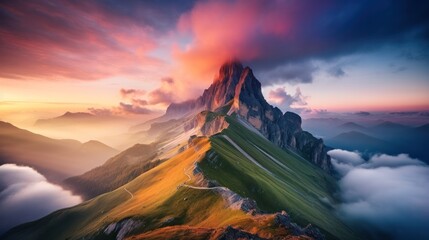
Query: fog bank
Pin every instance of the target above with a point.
(385, 195)
(26, 195)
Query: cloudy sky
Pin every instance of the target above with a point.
(135, 58)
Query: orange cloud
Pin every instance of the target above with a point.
(222, 30)
(126, 93)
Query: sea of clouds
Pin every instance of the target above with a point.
(386, 196)
(26, 195)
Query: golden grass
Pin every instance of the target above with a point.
(156, 185)
(152, 188)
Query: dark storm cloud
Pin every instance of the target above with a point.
(292, 73)
(25, 195)
(385, 195)
(270, 35)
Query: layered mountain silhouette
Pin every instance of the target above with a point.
(384, 137)
(362, 142)
(226, 165)
(57, 159)
(75, 118)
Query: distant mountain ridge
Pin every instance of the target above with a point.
(351, 126)
(73, 118)
(355, 140)
(54, 158)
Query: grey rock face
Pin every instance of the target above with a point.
(236, 90)
(231, 233)
(122, 228)
(283, 220)
(282, 129)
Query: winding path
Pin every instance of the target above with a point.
(203, 188)
(132, 195)
(185, 171)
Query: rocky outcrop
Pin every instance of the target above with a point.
(236, 201)
(236, 90)
(230, 233)
(283, 220)
(122, 228)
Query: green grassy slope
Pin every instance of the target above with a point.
(158, 201)
(290, 184)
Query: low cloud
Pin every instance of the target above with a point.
(164, 94)
(405, 113)
(131, 93)
(286, 101)
(362, 114)
(26, 195)
(385, 195)
(138, 101)
(134, 108)
(101, 111)
(321, 111)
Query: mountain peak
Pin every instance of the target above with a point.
(234, 83)
(230, 68)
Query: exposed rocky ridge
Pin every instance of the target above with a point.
(236, 90)
(230, 233)
(120, 229)
(282, 219)
(207, 122)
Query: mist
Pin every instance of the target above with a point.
(26, 195)
(386, 196)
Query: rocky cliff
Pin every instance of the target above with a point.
(236, 90)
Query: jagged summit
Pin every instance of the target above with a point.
(233, 82)
(230, 68)
(226, 87)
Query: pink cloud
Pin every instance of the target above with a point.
(165, 94)
(248, 30)
(63, 40)
(126, 93)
